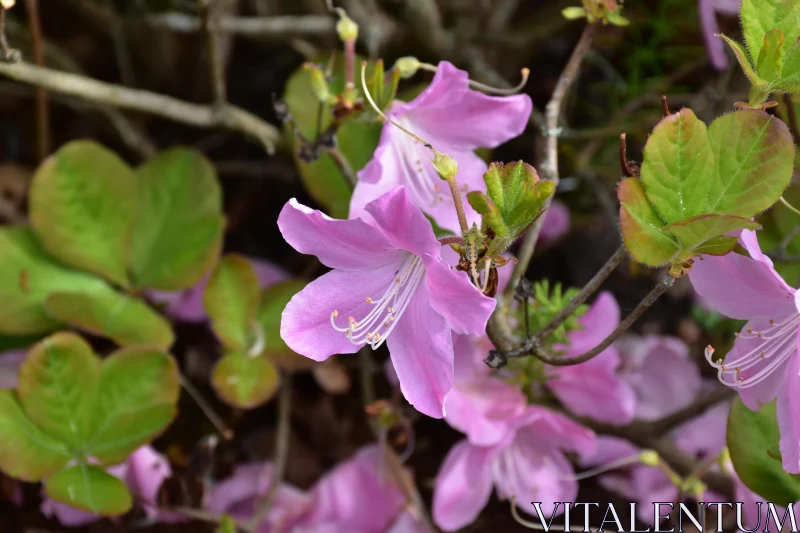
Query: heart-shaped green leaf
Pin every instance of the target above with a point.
(698, 230)
(27, 277)
(356, 140)
(26, 452)
(126, 320)
(641, 227)
(179, 223)
(676, 166)
(231, 300)
(753, 439)
(82, 205)
(91, 489)
(57, 383)
(273, 301)
(754, 154)
(136, 400)
(245, 381)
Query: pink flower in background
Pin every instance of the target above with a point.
(187, 305)
(479, 405)
(456, 120)
(708, 20)
(528, 464)
(238, 494)
(594, 388)
(388, 282)
(143, 473)
(357, 496)
(763, 363)
(9, 367)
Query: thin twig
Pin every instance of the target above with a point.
(229, 116)
(498, 358)
(212, 415)
(216, 68)
(550, 166)
(42, 109)
(589, 289)
(344, 166)
(121, 50)
(263, 27)
(264, 505)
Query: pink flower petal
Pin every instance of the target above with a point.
(463, 486)
(789, 417)
(403, 223)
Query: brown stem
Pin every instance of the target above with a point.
(498, 359)
(664, 106)
(456, 194)
(212, 415)
(42, 108)
(230, 117)
(452, 239)
(623, 156)
(549, 167)
(218, 88)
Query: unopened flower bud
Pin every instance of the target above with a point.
(445, 165)
(695, 487)
(572, 13)
(347, 28)
(649, 458)
(407, 66)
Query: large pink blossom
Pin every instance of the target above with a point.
(528, 464)
(388, 282)
(455, 120)
(594, 388)
(763, 363)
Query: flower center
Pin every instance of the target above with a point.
(425, 187)
(773, 346)
(386, 310)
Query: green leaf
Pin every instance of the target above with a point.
(226, 525)
(753, 439)
(273, 301)
(26, 452)
(716, 246)
(789, 80)
(231, 300)
(126, 320)
(770, 62)
(82, 205)
(744, 62)
(57, 382)
(245, 381)
(179, 223)
(760, 16)
(677, 163)
(754, 155)
(641, 227)
(356, 140)
(27, 277)
(136, 400)
(91, 489)
(695, 231)
(514, 199)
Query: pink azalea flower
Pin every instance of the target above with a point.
(708, 19)
(388, 282)
(238, 494)
(528, 464)
(187, 305)
(763, 362)
(594, 388)
(456, 120)
(661, 373)
(480, 405)
(143, 473)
